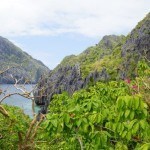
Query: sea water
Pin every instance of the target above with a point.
(17, 100)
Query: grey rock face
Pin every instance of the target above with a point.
(64, 79)
(138, 40)
(137, 45)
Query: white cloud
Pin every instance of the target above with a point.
(53, 17)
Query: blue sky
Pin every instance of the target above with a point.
(52, 49)
(51, 29)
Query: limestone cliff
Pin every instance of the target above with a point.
(113, 58)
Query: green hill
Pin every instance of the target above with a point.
(22, 64)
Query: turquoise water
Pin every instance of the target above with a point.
(16, 100)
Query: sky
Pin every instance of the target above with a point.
(49, 30)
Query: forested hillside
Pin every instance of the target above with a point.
(22, 65)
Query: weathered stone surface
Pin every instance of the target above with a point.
(136, 46)
(138, 40)
(65, 79)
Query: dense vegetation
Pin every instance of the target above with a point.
(112, 114)
(11, 126)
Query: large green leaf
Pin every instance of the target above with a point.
(131, 124)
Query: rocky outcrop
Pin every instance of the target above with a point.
(22, 65)
(110, 41)
(64, 79)
(136, 47)
(138, 41)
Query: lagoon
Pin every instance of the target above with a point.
(16, 100)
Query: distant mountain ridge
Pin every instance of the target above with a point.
(23, 65)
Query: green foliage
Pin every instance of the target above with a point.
(103, 116)
(11, 126)
(109, 115)
(143, 68)
(112, 115)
